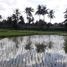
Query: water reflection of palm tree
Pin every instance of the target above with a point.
(28, 45)
(15, 39)
(65, 44)
(50, 42)
(40, 48)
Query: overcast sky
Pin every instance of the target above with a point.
(8, 6)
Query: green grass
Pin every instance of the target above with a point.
(14, 33)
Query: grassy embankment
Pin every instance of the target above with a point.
(14, 33)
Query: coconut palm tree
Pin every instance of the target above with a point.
(44, 11)
(39, 12)
(15, 18)
(17, 13)
(65, 16)
(29, 11)
(51, 15)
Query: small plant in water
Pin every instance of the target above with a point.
(40, 47)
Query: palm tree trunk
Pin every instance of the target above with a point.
(39, 17)
(50, 20)
(44, 18)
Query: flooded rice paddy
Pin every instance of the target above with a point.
(34, 51)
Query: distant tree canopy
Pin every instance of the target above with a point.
(17, 21)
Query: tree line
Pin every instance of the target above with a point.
(16, 20)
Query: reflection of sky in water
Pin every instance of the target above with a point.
(12, 51)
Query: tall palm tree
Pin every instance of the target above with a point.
(65, 16)
(17, 13)
(44, 11)
(15, 18)
(39, 11)
(29, 11)
(51, 15)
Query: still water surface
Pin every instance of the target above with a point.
(34, 51)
